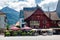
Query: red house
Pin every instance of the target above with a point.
(37, 18)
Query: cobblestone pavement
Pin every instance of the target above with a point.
(53, 37)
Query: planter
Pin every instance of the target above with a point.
(7, 33)
(14, 33)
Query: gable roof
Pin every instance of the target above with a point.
(54, 15)
(28, 14)
(29, 11)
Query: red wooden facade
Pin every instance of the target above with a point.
(39, 20)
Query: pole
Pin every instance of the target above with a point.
(49, 12)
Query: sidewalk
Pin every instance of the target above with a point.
(53, 37)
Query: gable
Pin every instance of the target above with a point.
(28, 14)
(36, 13)
(54, 15)
(30, 11)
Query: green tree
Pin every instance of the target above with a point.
(7, 26)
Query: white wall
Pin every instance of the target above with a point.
(21, 22)
(2, 22)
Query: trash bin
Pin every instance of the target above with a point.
(50, 32)
(44, 33)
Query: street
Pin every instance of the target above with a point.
(40, 37)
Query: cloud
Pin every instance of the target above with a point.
(4, 3)
(19, 4)
(22, 0)
(38, 1)
(48, 3)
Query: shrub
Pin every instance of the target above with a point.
(28, 33)
(19, 32)
(11, 32)
(7, 33)
(32, 31)
(14, 33)
(7, 26)
(23, 33)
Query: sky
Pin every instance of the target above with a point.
(19, 4)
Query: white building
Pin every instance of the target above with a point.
(2, 20)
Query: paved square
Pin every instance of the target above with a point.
(53, 37)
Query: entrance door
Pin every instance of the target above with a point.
(45, 24)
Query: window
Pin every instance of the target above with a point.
(31, 22)
(44, 22)
(34, 22)
(54, 22)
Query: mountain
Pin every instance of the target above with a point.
(11, 14)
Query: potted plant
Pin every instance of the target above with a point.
(14, 33)
(7, 33)
(19, 32)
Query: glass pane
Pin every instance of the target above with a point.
(34, 23)
(31, 22)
